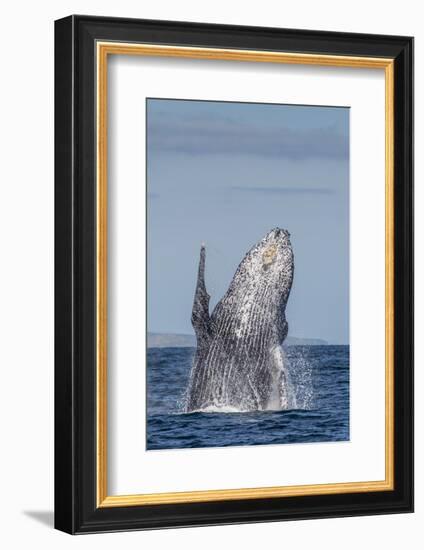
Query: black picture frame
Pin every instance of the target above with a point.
(76, 509)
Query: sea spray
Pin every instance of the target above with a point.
(286, 388)
(300, 368)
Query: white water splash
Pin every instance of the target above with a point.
(300, 370)
(218, 409)
(283, 396)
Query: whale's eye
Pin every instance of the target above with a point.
(268, 256)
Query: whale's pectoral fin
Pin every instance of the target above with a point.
(200, 318)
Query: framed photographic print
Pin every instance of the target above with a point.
(234, 271)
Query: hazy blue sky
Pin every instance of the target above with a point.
(225, 174)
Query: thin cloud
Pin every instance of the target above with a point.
(284, 190)
(212, 135)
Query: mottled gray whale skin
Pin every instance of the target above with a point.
(239, 362)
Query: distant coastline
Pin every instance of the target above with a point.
(169, 340)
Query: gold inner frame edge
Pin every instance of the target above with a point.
(103, 49)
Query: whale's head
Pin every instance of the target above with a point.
(269, 265)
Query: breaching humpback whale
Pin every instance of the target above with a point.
(239, 362)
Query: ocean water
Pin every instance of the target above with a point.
(320, 379)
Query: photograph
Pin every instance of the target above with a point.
(247, 273)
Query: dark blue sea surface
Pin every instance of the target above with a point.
(320, 380)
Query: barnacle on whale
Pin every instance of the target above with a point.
(268, 255)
